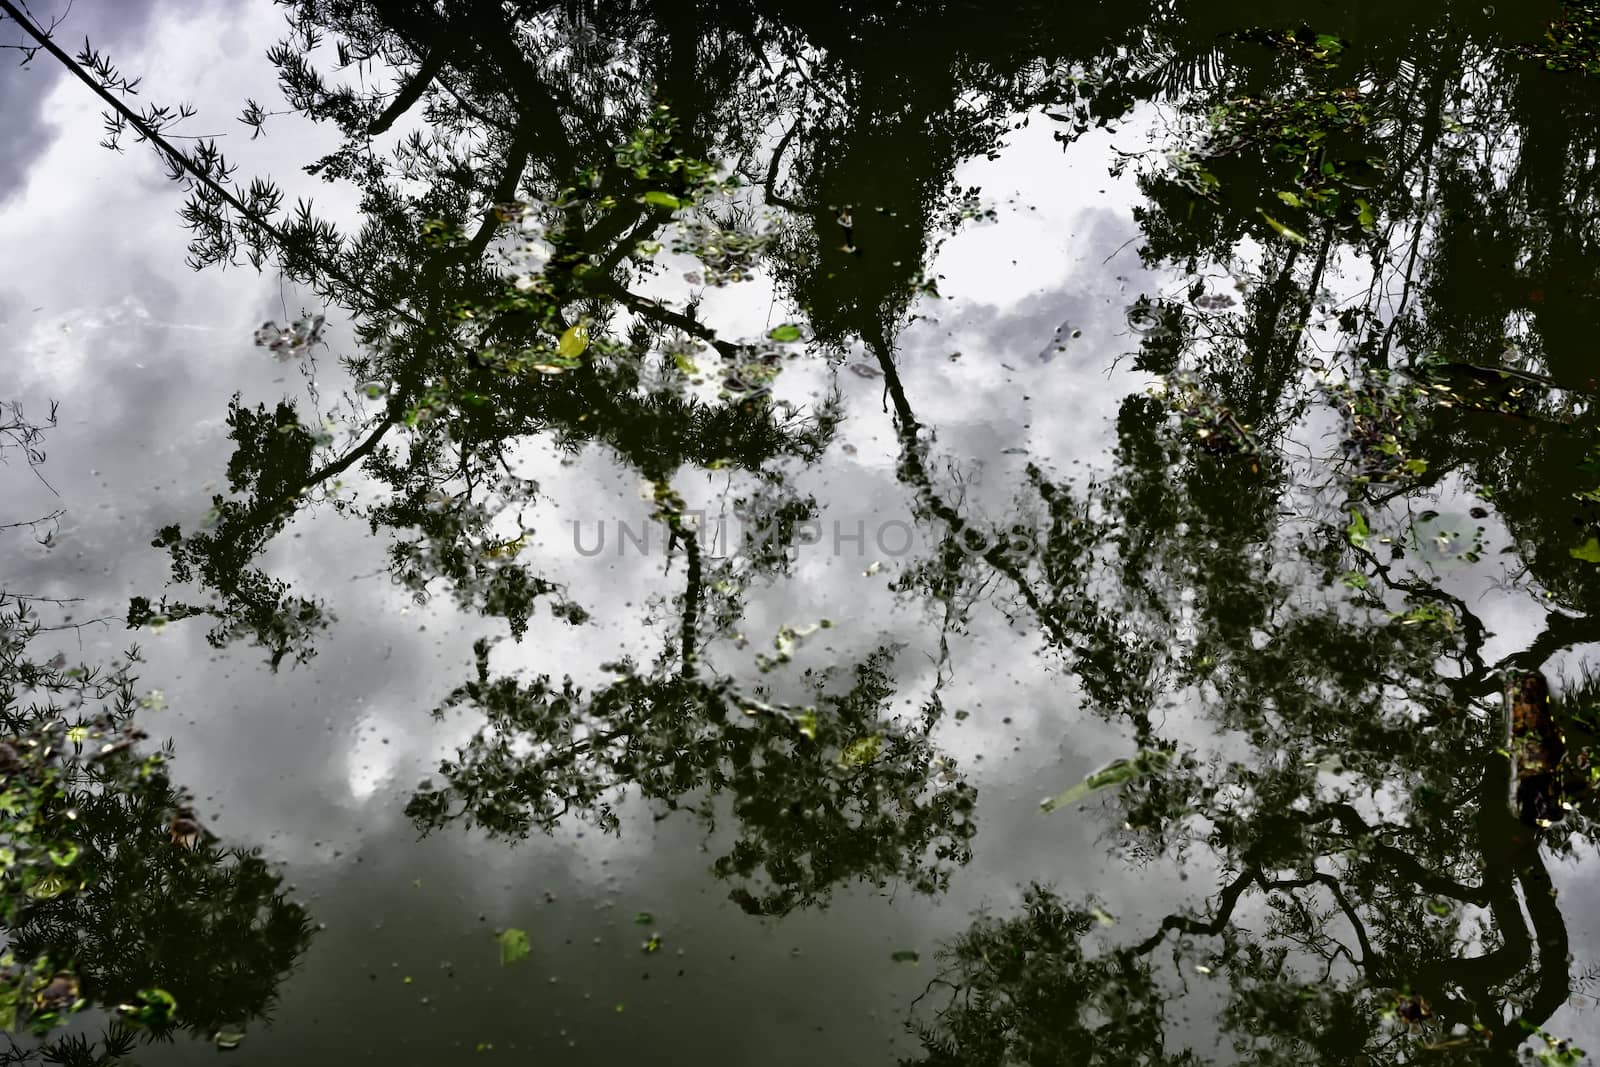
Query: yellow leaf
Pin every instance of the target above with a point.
(574, 341)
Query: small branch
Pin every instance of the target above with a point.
(411, 92)
(689, 630)
(181, 159)
(1189, 925)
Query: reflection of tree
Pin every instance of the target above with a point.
(822, 795)
(1356, 797)
(96, 898)
(1352, 795)
(1332, 899)
(523, 206)
(104, 898)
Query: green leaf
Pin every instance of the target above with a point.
(684, 363)
(1358, 531)
(1589, 551)
(1148, 761)
(49, 887)
(785, 333)
(513, 946)
(152, 1007)
(905, 955)
(644, 918)
(573, 342)
(1281, 230)
(1290, 199)
(1367, 218)
(8, 1008)
(1354, 579)
(861, 750)
(661, 199)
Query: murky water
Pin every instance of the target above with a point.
(884, 533)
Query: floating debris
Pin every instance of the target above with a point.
(514, 946)
(287, 342)
(59, 994)
(184, 831)
(1058, 343)
(1148, 761)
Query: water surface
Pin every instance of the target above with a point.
(879, 534)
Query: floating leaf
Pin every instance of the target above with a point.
(49, 887)
(1123, 770)
(1357, 531)
(1589, 551)
(652, 945)
(644, 918)
(228, 1037)
(513, 946)
(1281, 230)
(786, 333)
(1290, 199)
(152, 1007)
(574, 341)
(1354, 579)
(905, 955)
(861, 750)
(662, 199)
(1367, 218)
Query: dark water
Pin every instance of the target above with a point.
(780, 533)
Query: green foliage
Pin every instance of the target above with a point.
(100, 906)
(819, 797)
